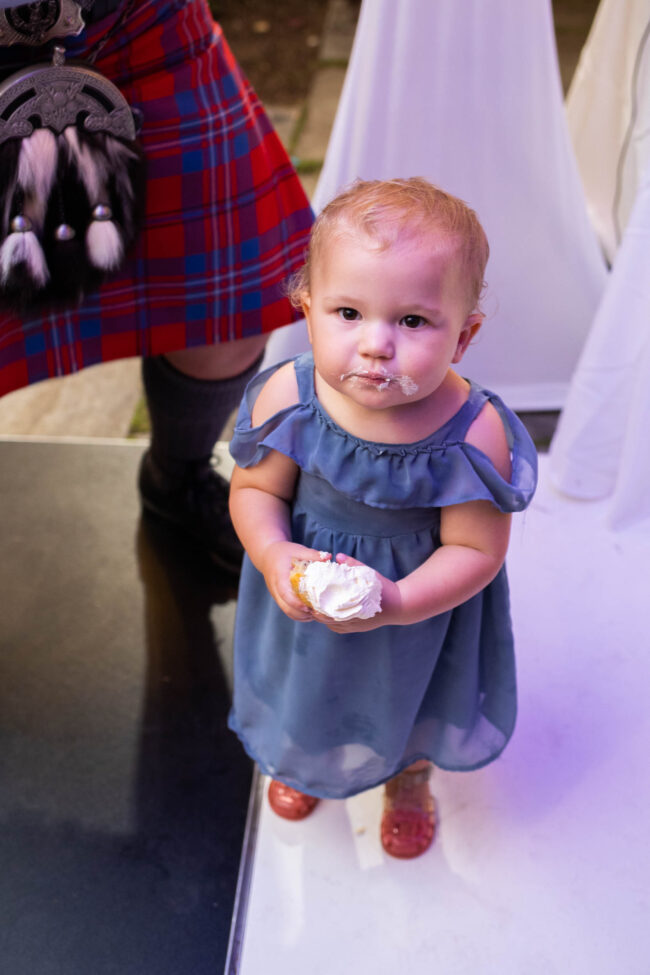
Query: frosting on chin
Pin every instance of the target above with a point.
(342, 592)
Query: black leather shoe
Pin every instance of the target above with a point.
(198, 505)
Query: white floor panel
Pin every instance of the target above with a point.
(542, 860)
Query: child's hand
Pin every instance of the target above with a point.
(277, 563)
(390, 606)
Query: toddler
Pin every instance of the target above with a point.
(371, 449)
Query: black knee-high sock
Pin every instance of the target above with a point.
(187, 414)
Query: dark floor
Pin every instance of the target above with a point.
(541, 426)
(122, 794)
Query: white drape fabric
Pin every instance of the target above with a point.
(608, 111)
(601, 444)
(468, 94)
(600, 449)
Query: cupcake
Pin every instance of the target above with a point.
(342, 592)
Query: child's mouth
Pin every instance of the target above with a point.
(382, 380)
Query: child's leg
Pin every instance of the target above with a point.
(288, 802)
(408, 822)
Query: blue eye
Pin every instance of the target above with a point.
(348, 314)
(413, 321)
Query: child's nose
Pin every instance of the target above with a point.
(376, 340)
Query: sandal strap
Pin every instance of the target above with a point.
(408, 779)
(416, 776)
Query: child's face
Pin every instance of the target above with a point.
(385, 325)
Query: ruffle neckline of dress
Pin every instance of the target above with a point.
(439, 470)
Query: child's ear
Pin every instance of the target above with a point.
(472, 324)
(305, 304)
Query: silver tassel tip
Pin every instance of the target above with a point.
(102, 212)
(65, 232)
(21, 224)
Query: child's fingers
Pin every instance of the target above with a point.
(343, 559)
(319, 556)
(351, 626)
(293, 607)
(290, 603)
(301, 615)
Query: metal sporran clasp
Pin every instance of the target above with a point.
(34, 24)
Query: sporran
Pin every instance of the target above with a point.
(72, 174)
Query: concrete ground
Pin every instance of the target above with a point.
(100, 401)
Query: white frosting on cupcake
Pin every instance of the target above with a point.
(342, 592)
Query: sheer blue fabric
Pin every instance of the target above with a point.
(334, 714)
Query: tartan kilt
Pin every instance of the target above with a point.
(226, 217)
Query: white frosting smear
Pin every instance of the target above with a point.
(408, 386)
(342, 592)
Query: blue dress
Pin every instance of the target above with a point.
(335, 714)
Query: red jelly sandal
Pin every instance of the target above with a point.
(408, 823)
(288, 802)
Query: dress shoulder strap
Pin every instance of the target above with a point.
(304, 368)
(462, 421)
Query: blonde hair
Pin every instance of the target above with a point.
(384, 209)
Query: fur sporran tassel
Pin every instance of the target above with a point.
(9, 155)
(23, 270)
(109, 171)
(24, 273)
(103, 240)
(37, 165)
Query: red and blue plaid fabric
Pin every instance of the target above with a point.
(226, 217)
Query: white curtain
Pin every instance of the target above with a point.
(608, 110)
(601, 445)
(468, 94)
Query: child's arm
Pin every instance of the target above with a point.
(474, 537)
(259, 504)
(474, 540)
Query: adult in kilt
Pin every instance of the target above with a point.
(226, 222)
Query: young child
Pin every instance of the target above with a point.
(371, 449)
